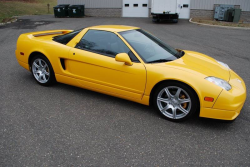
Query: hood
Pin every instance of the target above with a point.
(201, 63)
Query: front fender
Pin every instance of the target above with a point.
(195, 80)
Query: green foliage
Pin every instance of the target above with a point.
(31, 7)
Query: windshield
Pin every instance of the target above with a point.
(150, 48)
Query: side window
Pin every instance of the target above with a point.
(64, 39)
(104, 42)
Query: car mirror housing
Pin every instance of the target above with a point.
(123, 57)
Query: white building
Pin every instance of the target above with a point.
(142, 8)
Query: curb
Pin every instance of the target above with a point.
(239, 28)
(15, 19)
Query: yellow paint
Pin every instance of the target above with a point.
(134, 81)
(123, 57)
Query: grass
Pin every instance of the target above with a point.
(221, 23)
(9, 9)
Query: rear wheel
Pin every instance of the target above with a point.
(42, 70)
(175, 101)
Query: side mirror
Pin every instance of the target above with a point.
(123, 57)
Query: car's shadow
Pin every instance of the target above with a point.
(195, 121)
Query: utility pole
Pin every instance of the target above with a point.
(48, 7)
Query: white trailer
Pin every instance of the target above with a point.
(165, 10)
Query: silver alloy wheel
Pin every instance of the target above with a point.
(174, 102)
(40, 70)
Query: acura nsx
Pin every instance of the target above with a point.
(130, 63)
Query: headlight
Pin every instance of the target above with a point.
(224, 64)
(220, 82)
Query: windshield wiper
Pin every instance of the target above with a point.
(181, 53)
(159, 60)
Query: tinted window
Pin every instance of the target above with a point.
(104, 42)
(149, 47)
(64, 39)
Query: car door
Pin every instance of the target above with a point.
(93, 63)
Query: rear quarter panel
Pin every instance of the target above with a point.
(28, 44)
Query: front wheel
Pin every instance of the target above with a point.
(175, 101)
(42, 70)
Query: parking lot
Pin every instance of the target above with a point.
(68, 126)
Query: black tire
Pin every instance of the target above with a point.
(48, 79)
(156, 20)
(175, 21)
(185, 92)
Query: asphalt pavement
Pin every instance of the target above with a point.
(68, 126)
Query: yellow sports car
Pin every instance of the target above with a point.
(130, 63)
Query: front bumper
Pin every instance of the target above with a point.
(229, 103)
(220, 114)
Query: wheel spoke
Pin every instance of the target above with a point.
(168, 93)
(183, 110)
(46, 73)
(45, 66)
(40, 62)
(39, 77)
(37, 66)
(37, 72)
(165, 108)
(44, 77)
(162, 100)
(174, 112)
(184, 100)
(177, 94)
